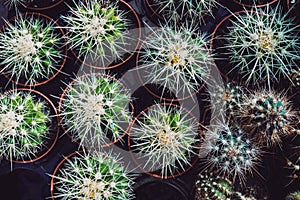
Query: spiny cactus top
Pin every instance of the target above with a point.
(97, 31)
(31, 49)
(93, 176)
(263, 44)
(210, 186)
(182, 9)
(230, 152)
(268, 116)
(176, 59)
(165, 136)
(94, 109)
(23, 125)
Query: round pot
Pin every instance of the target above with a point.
(250, 3)
(131, 108)
(158, 172)
(53, 131)
(158, 90)
(42, 5)
(62, 49)
(135, 26)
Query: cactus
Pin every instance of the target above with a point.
(165, 136)
(268, 116)
(240, 196)
(263, 45)
(175, 58)
(183, 9)
(93, 109)
(97, 31)
(30, 48)
(210, 186)
(293, 165)
(230, 152)
(93, 176)
(23, 125)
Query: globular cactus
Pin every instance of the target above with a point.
(97, 30)
(229, 151)
(183, 9)
(95, 109)
(175, 58)
(91, 176)
(165, 136)
(30, 49)
(267, 116)
(23, 125)
(210, 186)
(263, 44)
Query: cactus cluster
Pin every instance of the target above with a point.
(267, 116)
(230, 152)
(176, 59)
(262, 44)
(166, 138)
(30, 49)
(97, 31)
(94, 109)
(23, 125)
(92, 176)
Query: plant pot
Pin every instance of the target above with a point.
(42, 5)
(250, 3)
(106, 54)
(43, 60)
(41, 145)
(253, 58)
(163, 135)
(163, 81)
(105, 171)
(89, 139)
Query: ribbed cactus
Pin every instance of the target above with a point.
(263, 44)
(176, 59)
(93, 176)
(97, 31)
(95, 109)
(30, 49)
(267, 116)
(210, 186)
(240, 196)
(165, 137)
(23, 125)
(229, 151)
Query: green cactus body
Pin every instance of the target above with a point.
(23, 125)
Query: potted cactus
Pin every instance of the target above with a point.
(268, 116)
(229, 152)
(163, 140)
(32, 50)
(255, 46)
(27, 130)
(99, 32)
(175, 59)
(180, 10)
(91, 176)
(94, 109)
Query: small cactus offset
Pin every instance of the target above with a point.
(230, 152)
(94, 109)
(176, 59)
(97, 31)
(210, 186)
(263, 45)
(165, 136)
(293, 196)
(30, 49)
(183, 9)
(93, 176)
(267, 116)
(23, 125)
